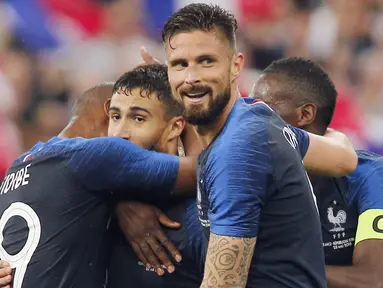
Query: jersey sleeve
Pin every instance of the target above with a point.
(111, 163)
(303, 139)
(366, 188)
(237, 180)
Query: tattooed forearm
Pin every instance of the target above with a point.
(228, 261)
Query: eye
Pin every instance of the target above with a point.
(207, 61)
(115, 117)
(139, 119)
(179, 64)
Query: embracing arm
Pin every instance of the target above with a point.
(111, 163)
(330, 155)
(228, 261)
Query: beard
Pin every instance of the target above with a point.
(200, 116)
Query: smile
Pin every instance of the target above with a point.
(196, 97)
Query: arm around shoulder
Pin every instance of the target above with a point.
(330, 155)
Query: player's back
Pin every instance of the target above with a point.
(53, 230)
(126, 270)
(281, 214)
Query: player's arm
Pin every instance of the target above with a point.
(111, 163)
(330, 155)
(367, 267)
(228, 261)
(237, 186)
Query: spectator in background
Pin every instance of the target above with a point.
(114, 50)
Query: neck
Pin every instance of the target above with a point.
(312, 128)
(208, 132)
(77, 128)
(172, 148)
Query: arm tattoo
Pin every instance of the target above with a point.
(228, 261)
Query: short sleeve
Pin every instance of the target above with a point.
(237, 179)
(366, 186)
(303, 139)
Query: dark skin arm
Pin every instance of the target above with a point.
(366, 271)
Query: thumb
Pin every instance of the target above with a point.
(148, 59)
(167, 222)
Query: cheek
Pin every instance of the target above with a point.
(176, 78)
(111, 129)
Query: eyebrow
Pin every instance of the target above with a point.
(206, 56)
(116, 109)
(131, 109)
(138, 109)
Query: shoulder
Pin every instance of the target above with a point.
(366, 182)
(370, 166)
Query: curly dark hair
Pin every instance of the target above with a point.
(151, 79)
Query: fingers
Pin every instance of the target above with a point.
(148, 253)
(160, 254)
(168, 245)
(140, 254)
(5, 281)
(167, 222)
(148, 59)
(5, 274)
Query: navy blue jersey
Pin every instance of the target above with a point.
(252, 184)
(125, 270)
(54, 209)
(344, 202)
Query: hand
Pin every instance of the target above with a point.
(140, 224)
(147, 58)
(5, 274)
(338, 136)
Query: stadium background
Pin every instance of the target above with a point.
(52, 50)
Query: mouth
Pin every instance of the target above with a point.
(196, 96)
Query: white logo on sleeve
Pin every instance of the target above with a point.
(290, 137)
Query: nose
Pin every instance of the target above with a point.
(192, 77)
(122, 131)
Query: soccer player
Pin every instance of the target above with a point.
(351, 207)
(143, 111)
(55, 200)
(253, 194)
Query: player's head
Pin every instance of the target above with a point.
(300, 91)
(143, 110)
(88, 117)
(202, 60)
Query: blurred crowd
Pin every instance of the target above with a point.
(52, 50)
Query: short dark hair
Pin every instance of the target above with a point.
(151, 79)
(307, 82)
(199, 16)
(96, 96)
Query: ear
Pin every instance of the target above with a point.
(307, 114)
(176, 127)
(106, 107)
(237, 66)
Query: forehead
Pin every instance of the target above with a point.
(268, 87)
(195, 43)
(136, 98)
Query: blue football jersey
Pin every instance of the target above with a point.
(54, 206)
(252, 183)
